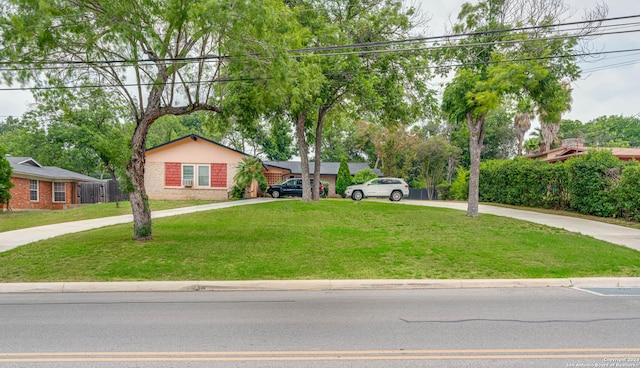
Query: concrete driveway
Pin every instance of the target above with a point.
(614, 234)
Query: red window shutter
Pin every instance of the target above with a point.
(172, 174)
(219, 175)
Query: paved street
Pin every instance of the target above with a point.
(533, 327)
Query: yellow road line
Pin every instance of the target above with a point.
(363, 355)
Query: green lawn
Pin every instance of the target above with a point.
(24, 219)
(333, 239)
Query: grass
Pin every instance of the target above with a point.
(25, 219)
(333, 239)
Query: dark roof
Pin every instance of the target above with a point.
(30, 168)
(326, 168)
(195, 137)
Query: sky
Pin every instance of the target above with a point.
(608, 86)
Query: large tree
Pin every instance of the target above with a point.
(386, 85)
(508, 50)
(164, 57)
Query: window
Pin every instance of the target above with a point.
(33, 191)
(187, 175)
(59, 192)
(203, 176)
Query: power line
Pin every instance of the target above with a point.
(91, 65)
(250, 79)
(133, 62)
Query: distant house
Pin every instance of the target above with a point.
(278, 171)
(191, 167)
(38, 187)
(574, 148)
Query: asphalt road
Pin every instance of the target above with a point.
(506, 327)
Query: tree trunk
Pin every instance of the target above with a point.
(476, 138)
(322, 112)
(135, 170)
(549, 132)
(522, 123)
(304, 155)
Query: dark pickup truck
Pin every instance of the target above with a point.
(291, 187)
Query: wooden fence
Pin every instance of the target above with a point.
(102, 192)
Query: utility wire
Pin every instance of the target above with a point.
(351, 46)
(250, 79)
(92, 65)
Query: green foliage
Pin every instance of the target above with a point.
(627, 193)
(326, 189)
(249, 170)
(344, 176)
(238, 192)
(5, 178)
(596, 184)
(444, 190)
(591, 178)
(523, 182)
(433, 155)
(460, 186)
(485, 77)
(604, 131)
(363, 176)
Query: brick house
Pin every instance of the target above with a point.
(38, 187)
(278, 171)
(191, 167)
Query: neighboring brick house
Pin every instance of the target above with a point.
(38, 187)
(191, 167)
(278, 171)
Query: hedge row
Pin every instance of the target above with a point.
(597, 183)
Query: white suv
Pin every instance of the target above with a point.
(393, 188)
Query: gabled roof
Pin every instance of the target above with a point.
(326, 168)
(195, 137)
(27, 167)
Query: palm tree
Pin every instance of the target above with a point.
(550, 122)
(249, 171)
(522, 124)
(532, 145)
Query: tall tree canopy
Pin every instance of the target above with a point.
(164, 57)
(345, 65)
(604, 131)
(508, 50)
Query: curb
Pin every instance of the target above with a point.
(312, 285)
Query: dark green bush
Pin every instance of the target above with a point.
(591, 179)
(597, 183)
(627, 193)
(444, 190)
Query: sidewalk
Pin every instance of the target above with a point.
(314, 285)
(15, 238)
(611, 233)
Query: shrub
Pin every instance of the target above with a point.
(627, 193)
(363, 176)
(460, 186)
(344, 176)
(444, 190)
(590, 179)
